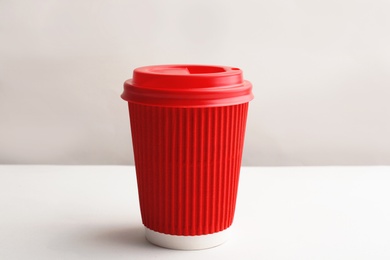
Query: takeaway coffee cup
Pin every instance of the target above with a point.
(188, 125)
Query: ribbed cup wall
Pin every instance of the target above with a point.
(188, 163)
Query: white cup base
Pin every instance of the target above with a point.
(186, 242)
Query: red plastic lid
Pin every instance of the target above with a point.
(187, 86)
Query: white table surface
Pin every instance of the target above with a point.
(91, 212)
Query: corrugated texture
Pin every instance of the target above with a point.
(188, 162)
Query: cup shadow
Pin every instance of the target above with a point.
(126, 237)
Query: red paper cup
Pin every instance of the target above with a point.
(188, 125)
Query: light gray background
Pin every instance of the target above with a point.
(320, 70)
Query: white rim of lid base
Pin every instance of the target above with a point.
(187, 242)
